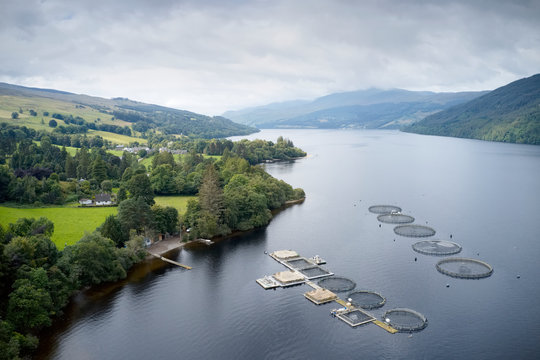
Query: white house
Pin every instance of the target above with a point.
(103, 199)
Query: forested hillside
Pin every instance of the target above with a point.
(509, 114)
(58, 111)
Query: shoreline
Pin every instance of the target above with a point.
(173, 243)
(164, 246)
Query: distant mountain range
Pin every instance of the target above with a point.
(117, 112)
(372, 108)
(510, 113)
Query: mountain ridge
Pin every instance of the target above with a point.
(510, 113)
(347, 106)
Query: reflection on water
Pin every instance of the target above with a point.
(485, 194)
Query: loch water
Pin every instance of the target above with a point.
(486, 195)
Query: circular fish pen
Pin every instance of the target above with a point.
(436, 247)
(395, 218)
(366, 299)
(414, 231)
(384, 209)
(337, 284)
(464, 268)
(405, 320)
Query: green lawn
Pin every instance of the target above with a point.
(69, 223)
(178, 202)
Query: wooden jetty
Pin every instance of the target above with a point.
(171, 261)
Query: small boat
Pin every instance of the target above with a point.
(318, 260)
(206, 241)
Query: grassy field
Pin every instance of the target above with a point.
(178, 202)
(117, 138)
(69, 223)
(9, 104)
(148, 160)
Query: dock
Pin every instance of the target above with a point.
(297, 273)
(268, 282)
(385, 326)
(171, 261)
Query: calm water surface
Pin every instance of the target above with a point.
(487, 195)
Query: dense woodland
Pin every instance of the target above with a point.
(37, 280)
(508, 114)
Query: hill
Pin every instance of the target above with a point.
(372, 108)
(109, 118)
(509, 114)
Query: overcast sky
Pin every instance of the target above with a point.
(213, 56)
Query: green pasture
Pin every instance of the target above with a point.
(117, 138)
(69, 223)
(147, 161)
(9, 104)
(178, 202)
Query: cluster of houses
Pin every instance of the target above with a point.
(136, 149)
(99, 200)
(174, 152)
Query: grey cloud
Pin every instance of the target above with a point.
(210, 56)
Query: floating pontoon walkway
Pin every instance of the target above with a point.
(385, 326)
(171, 261)
(292, 260)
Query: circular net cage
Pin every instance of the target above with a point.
(384, 209)
(405, 320)
(464, 268)
(337, 284)
(366, 299)
(414, 231)
(395, 218)
(436, 247)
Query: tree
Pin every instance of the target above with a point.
(139, 186)
(53, 123)
(112, 229)
(106, 186)
(163, 158)
(134, 213)
(122, 194)
(14, 115)
(99, 169)
(211, 200)
(34, 251)
(163, 180)
(93, 259)
(5, 179)
(71, 167)
(165, 219)
(246, 208)
(83, 160)
(30, 305)
(210, 193)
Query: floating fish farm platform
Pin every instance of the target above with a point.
(302, 270)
